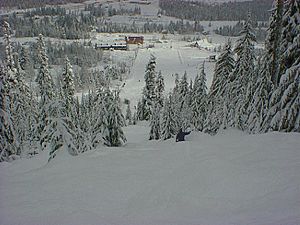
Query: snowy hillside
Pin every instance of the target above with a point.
(141, 77)
(231, 178)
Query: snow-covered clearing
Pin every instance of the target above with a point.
(231, 178)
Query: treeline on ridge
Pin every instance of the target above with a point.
(21, 4)
(232, 11)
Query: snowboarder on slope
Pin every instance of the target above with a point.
(180, 136)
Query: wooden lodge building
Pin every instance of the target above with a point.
(134, 40)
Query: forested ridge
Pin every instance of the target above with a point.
(21, 4)
(198, 11)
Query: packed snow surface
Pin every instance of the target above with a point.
(230, 178)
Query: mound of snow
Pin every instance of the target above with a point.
(231, 178)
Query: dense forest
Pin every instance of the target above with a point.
(21, 4)
(235, 30)
(57, 22)
(200, 11)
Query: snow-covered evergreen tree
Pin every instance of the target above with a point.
(177, 103)
(160, 88)
(183, 92)
(155, 131)
(217, 94)
(260, 101)
(9, 66)
(199, 100)
(68, 87)
(59, 131)
(83, 138)
(184, 101)
(224, 67)
(242, 78)
(46, 87)
(9, 62)
(33, 119)
(290, 100)
(9, 142)
(186, 114)
(176, 90)
(168, 121)
(8, 137)
(82, 141)
(149, 95)
(273, 40)
(284, 112)
(100, 115)
(26, 64)
(269, 72)
(22, 99)
(24, 58)
(84, 112)
(140, 110)
(113, 134)
(112, 73)
(190, 93)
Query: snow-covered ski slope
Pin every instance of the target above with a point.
(178, 59)
(172, 56)
(230, 178)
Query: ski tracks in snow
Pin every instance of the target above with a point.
(180, 57)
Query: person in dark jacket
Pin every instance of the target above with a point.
(180, 136)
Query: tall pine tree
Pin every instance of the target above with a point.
(8, 137)
(46, 88)
(155, 131)
(217, 94)
(22, 103)
(68, 87)
(113, 132)
(199, 100)
(149, 91)
(273, 41)
(9, 144)
(284, 107)
(240, 88)
(59, 130)
(160, 88)
(100, 115)
(168, 120)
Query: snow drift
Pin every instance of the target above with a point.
(231, 178)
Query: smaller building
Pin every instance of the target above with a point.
(134, 40)
(111, 47)
(141, 2)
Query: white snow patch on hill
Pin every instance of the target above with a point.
(231, 178)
